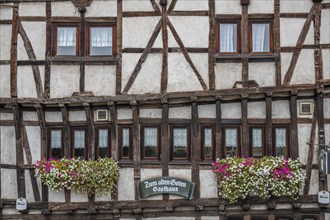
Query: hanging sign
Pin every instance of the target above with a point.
(323, 197)
(166, 185)
(21, 204)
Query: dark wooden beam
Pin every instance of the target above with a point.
(155, 5)
(164, 76)
(82, 50)
(218, 127)
(245, 42)
(293, 15)
(196, 150)
(189, 13)
(119, 42)
(245, 149)
(140, 13)
(323, 182)
(269, 144)
(277, 42)
(90, 130)
(136, 147)
(165, 151)
(172, 6)
(13, 52)
(294, 149)
(212, 49)
(318, 60)
(48, 50)
(114, 140)
(66, 130)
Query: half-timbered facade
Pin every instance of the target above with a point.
(165, 87)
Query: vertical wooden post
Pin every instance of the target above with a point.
(165, 153)
(136, 146)
(245, 150)
(245, 40)
(269, 140)
(277, 42)
(318, 51)
(48, 49)
(13, 52)
(90, 130)
(164, 79)
(66, 130)
(218, 150)
(294, 150)
(114, 140)
(212, 36)
(82, 50)
(195, 145)
(119, 45)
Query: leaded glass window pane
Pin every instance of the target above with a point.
(231, 142)
(103, 142)
(56, 143)
(180, 143)
(257, 142)
(126, 142)
(208, 143)
(79, 143)
(150, 142)
(280, 141)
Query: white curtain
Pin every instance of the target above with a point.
(56, 137)
(228, 34)
(125, 137)
(66, 36)
(260, 37)
(231, 137)
(257, 137)
(101, 37)
(180, 137)
(208, 137)
(150, 137)
(79, 139)
(103, 138)
(280, 137)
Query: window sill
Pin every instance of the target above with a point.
(224, 58)
(238, 58)
(99, 60)
(267, 57)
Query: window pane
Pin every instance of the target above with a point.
(150, 142)
(101, 41)
(180, 143)
(260, 38)
(66, 41)
(56, 143)
(231, 142)
(228, 37)
(103, 142)
(280, 141)
(126, 143)
(79, 143)
(208, 143)
(257, 142)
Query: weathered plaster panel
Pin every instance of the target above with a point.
(5, 41)
(8, 178)
(196, 35)
(325, 23)
(126, 184)
(207, 111)
(191, 5)
(181, 77)
(56, 196)
(290, 31)
(150, 113)
(6, 116)
(326, 63)
(314, 184)
(32, 9)
(326, 108)
(180, 112)
(262, 73)
(231, 110)
(53, 116)
(285, 63)
(208, 184)
(4, 79)
(179, 173)
(280, 109)
(64, 80)
(26, 87)
(148, 174)
(138, 30)
(261, 6)
(34, 30)
(148, 79)
(228, 7)
(124, 113)
(8, 145)
(78, 197)
(70, 9)
(101, 80)
(201, 62)
(137, 5)
(290, 6)
(100, 8)
(6, 13)
(77, 116)
(256, 110)
(226, 74)
(106, 197)
(304, 131)
(29, 189)
(30, 116)
(129, 62)
(304, 71)
(21, 51)
(33, 134)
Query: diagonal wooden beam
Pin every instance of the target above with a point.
(172, 6)
(32, 57)
(154, 5)
(185, 53)
(143, 57)
(299, 45)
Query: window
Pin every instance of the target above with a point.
(65, 40)
(180, 149)
(261, 38)
(228, 39)
(257, 141)
(125, 143)
(208, 146)
(103, 144)
(79, 140)
(55, 143)
(150, 143)
(281, 141)
(231, 141)
(101, 40)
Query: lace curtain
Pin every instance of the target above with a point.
(125, 137)
(231, 137)
(150, 137)
(208, 137)
(79, 139)
(257, 137)
(228, 34)
(260, 38)
(280, 137)
(103, 138)
(66, 36)
(56, 137)
(180, 137)
(101, 37)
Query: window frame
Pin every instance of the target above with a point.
(263, 143)
(88, 35)
(287, 141)
(271, 37)
(49, 141)
(73, 129)
(238, 37)
(203, 127)
(238, 139)
(97, 147)
(120, 143)
(188, 158)
(157, 158)
(55, 26)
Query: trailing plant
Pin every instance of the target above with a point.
(83, 176)
(266, 177)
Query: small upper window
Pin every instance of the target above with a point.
(231, 142)
(125, 143)
(56, 144)
(281, 141)
(208, 144)
(102, 149)
(66, 41)
(180, 143)
(257, 142)
(228, 38)
(101, 41)
(79, 143)
(150, 143)
(261, 38)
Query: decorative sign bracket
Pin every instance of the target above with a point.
(81, 4)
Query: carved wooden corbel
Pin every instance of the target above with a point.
(81, 4)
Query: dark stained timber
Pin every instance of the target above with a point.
(13, 52)
(211, 48)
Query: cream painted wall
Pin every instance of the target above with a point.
(256, 109)
(5, 78)
(101, 80)
(64, 81)
(8, 145)
(101, 8)
(226, 74)
(228, 7)
(290, 30)
(262, 73)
